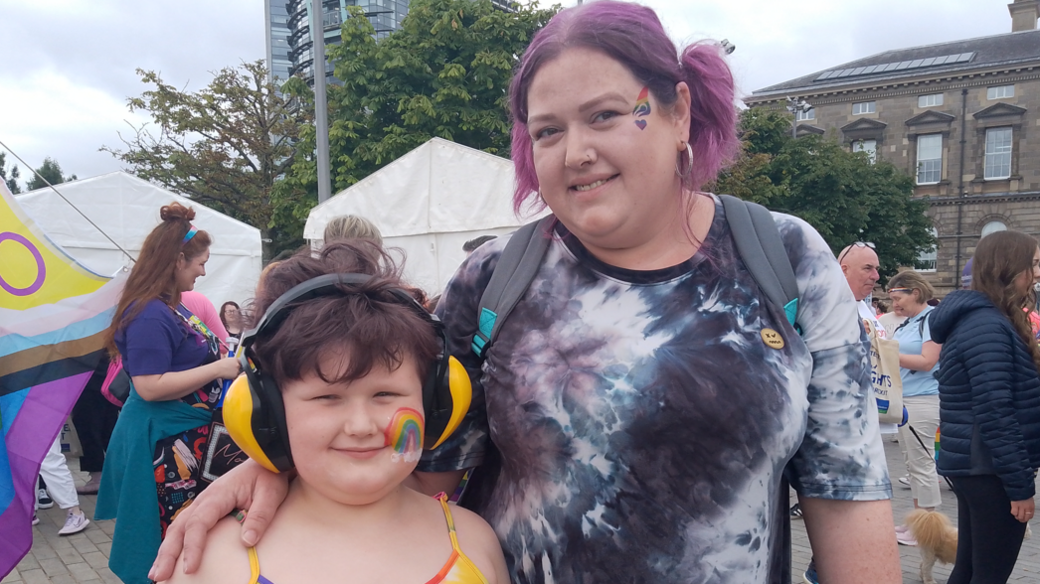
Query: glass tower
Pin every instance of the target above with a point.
(289, 48)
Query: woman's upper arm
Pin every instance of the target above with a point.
(930, 350)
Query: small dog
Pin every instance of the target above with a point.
(936, 539)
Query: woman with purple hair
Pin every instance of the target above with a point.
(643, 404)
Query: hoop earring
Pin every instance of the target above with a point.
(678, 163)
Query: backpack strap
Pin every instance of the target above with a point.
(512, 275)
(758, 242)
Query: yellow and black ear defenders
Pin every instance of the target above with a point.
(253, 409)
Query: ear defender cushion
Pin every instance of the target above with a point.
(255, 419)
(460, 390)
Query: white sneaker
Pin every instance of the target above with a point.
(906, 539)
(43, 500)
(74, 523)
(36, 520)
(905, 480)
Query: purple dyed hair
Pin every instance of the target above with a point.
(633, 36)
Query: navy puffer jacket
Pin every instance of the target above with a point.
(989, 394)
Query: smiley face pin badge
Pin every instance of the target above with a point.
(772, 339)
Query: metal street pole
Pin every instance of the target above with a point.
(321, 110)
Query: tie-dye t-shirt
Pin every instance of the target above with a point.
(642, 425)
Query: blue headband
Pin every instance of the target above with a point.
(187, 237)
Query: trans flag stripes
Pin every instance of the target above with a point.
(53, 316)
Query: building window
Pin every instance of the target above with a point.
(862, 107)
(1000, 92)
(931, 100)
(929, 159)
(998, 153)
(809, 114)
(926, 260)
(992, 227)
(868, 146)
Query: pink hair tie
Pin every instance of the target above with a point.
(187, 237)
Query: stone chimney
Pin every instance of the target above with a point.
(1024, 14)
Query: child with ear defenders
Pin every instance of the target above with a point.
(346, 380)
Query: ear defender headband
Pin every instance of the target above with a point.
(254, 412)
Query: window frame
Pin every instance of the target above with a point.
(859, 146)
(920, 170)
(869, 107)
(1004, 154)
(921, 99)
(992, 92)
(931, 256)
(804, 116)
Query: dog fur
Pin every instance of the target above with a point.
(936, 539)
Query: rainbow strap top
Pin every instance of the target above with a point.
(459, 569)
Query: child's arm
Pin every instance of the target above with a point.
(480, 544)
(224, 559)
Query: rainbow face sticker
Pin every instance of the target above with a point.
(642, 108)
(405, 435)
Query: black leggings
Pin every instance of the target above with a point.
(989, 536)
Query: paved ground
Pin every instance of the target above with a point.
(83, 558)
(1027, 569)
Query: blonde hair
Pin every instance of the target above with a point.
(352, 227)
(914, 281)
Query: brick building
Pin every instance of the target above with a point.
(962, 118)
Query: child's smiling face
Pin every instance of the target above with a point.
(338, 431)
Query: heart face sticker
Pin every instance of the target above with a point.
(641, 124)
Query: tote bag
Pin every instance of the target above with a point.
(884, 376)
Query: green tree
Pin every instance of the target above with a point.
(10, 178)
(49, 172)
(223, 146)
(844, 195)
(444, 73)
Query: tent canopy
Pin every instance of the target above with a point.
(127, 209)
(428, 203)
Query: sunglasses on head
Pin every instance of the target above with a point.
(856, 244)
(903, 290)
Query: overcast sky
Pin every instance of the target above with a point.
(68, 65)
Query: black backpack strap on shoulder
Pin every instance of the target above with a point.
(759, 245)
(512, 275)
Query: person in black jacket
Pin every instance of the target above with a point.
(989, 402)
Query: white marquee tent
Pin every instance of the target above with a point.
(127, 208)
(428, 203)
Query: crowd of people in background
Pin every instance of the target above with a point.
(641, 413)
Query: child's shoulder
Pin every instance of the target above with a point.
(225, 558)
(478, 541)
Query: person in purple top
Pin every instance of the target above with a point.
(173, 361)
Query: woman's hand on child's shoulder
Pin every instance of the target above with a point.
(479, 542)
(224, 559)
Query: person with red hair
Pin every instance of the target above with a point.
(154, 459)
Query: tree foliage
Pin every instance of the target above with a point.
(49, 172)
(444, 73)
(10, 177)
(842, 194)
(223, 146)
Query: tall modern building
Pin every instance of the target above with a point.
(289, 47)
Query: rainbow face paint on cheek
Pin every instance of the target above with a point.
(642, 108)
(405, 435)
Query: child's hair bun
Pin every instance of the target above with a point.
(176, 212)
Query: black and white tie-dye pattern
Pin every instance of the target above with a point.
(641, 425)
